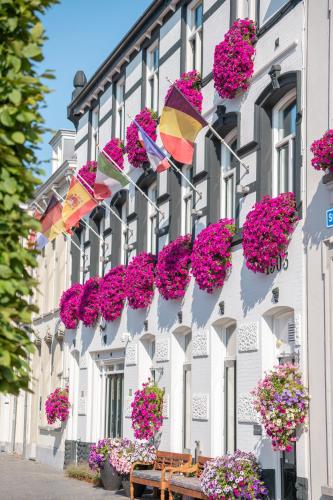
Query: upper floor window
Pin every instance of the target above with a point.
(228, 176)
(94, 133)
(284, 133)
(187, 201)
(267, 9)
(107, 244)
(120, 110)
(195, 20)
(124, 250)
(152, 220)
(85, 252)
(152, 77)
(246, 9)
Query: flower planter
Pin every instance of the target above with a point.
(111, 480)
(138, 488)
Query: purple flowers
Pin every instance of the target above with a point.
(283, 403)
(115, 149)
(233, 476)
(112, 293)
(100, 452)
(140, 278)
(172, 269)
(88, 309)
(147, 409)
(57, 406)
(190, 86)
(69, 306)
(136, 152)
(267, 230)
(322, 150)
(88, 173)
(233, 59)
(211, 256)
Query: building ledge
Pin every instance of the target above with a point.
(327, 491)
(328, 180)
(49, 428)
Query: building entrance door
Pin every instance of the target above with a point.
(288, 474)
(114, 405)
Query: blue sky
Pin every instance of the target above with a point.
(82, 33)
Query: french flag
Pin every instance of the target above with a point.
(157, 158)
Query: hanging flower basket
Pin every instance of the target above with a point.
(322, 150)
(147, 411)
(190, 85)
(88, 308)
(233, 59)
(88, 173)
(139, 282)
(172, 268)
(282, 402)
(135, 149)
(112, 293)
(267, 230)
(57, 406)
(69, 303)
(115, 149)
(233, 476)
(211, 255)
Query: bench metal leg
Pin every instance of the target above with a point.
(162, 494)
(131, 491)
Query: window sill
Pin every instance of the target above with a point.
(49, 428)
(327, 491)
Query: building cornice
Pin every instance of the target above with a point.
(58, 177)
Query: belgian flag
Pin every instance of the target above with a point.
(180, 124)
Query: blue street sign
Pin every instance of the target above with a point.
(329, 217)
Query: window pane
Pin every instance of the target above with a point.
(193, 45)
(289, 120)
(229, 196)
(230, 414)
(155, 58)
(198, 14)
(269, 7)
(283, 169)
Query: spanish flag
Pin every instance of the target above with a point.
(77, 204)
(51, 220)
(180, 123)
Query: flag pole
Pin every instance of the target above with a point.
(65, 234)
(107, 206)
(84, 221)
(134, 184)
(212, 129)
(176, 168)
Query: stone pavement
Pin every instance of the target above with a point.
(27, 480)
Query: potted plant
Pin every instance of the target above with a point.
(99, 459)
(123, 457)
(147, 411)
(57, 406)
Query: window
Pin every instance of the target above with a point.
(106, 251)
(124, 250)
(268, 8)
(246, 9)
(114, 400)
(187, 396)
(230, 389)
(120, 106)
(152, 77)
(94, 134)
(195, 20)
(228, 188)
(284, 133)
(85, 255)
(152, 220)
(187, 201)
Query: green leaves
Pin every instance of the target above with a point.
(21, 126)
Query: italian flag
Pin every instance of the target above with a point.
(109, 177)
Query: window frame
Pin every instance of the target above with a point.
(153, 77)
(94, 146)
(152, 220)
(187, 201)
(194, 57)
(251, 9)
(279, 143)
(120, 107)
(231, 172)
(85, 255)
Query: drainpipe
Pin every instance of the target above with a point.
(14, 425)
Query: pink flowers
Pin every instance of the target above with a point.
(69, 306)
(112, 293)
(211, 256)
(282, 402)
(267, 230)
(322, 150)
(136, 152)
(57, 406)
(115, 149)
(233, 59)
(172, 269)
(123, 457)
(190, 86)
(147, 409)
(88, 173)
(140, 278)
(88, 309)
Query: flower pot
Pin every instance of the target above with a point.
(138, 488)
(110, 478)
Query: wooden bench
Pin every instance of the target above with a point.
(157, 475)
(180, 481)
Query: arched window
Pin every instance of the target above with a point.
(228, 176)
(284, 134)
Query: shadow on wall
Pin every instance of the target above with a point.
(314, 231)
(87, 335)
(208, 302)
(135, 320)
(254, 287)
(167, 311)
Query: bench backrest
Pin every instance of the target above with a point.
(201, 463)
(169, 459)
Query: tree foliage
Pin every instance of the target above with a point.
(22, 94)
